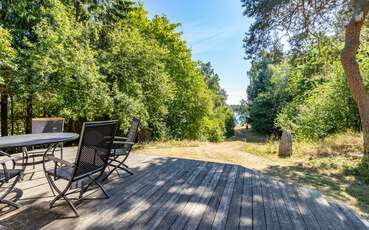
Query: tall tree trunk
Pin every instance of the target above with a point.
(4, 115)
(12, 114)
(29, 111)
(352, 71)
(77, 6)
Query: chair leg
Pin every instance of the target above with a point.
(119, 165)
(10, 203)
(7, 191)
(51, 187)
(109, 173)
(127, 170)
(83, 190)
(61, 151)
(54, 187)
(102, 188)
(51, 204)
(71, 206)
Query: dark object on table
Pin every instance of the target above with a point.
(92, 158)
(46, 125)
(9, 177)
(122, 147)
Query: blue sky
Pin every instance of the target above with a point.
(214, 30)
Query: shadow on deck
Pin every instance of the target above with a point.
(181, 194)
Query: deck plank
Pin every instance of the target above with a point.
(203, 201)
(176, 210)
(147, 201)
(349, 218)
(211, 210)
(258, 208)
(284, 218)
(222, 212)
(174, 193)
(271, 216)
(306, 213)
(167, 206)
(191, 210)
(233, 220)
(291, 205)
(246, 203)
(91, 215)
(159, 208)
(141, 196)
(322, 210)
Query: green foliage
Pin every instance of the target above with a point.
(96, 60)
(222, 121)
(144, 86)
(191, 105)
(242, 112)
(7, 55)
(267, 93)
(326, 110)
(306, 93)
(67, 69)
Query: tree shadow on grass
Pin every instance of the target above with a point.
(338, 187)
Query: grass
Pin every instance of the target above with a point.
(329, 165)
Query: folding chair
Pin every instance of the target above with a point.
(46, 125)
(121, 149)
(92, 158)
(9, 177)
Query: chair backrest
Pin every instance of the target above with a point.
(132, 133)
(94, 148)
(47, 125)
(133, 130)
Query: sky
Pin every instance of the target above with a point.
(214, 30)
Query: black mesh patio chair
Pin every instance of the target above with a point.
(92, 158)
(46, 125)
(9, 177)
(121, 149)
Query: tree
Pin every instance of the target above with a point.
(191, 105)
(21, 18)
(144, 88)
(7, 56)
(302, 19)
(222, 115)
(243, 112)
(90, 60)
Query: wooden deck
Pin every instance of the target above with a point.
(181, 194)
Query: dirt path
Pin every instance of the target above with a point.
(225, 152)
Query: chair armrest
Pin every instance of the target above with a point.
(124, 142)
(120, 138)
(55, 159)
(4, 154)
(10, 158)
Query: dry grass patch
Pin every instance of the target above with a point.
(328, 165)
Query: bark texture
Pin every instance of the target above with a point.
(352, 69)
(29, 111)
(4, 115)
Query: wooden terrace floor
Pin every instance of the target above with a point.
(167, 193)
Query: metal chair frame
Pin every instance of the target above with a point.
(37, 152)
(125, 144)
(63, 193)
(6, 178)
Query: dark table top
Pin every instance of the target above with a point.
(36, 139)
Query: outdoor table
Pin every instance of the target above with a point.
(29, 140)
